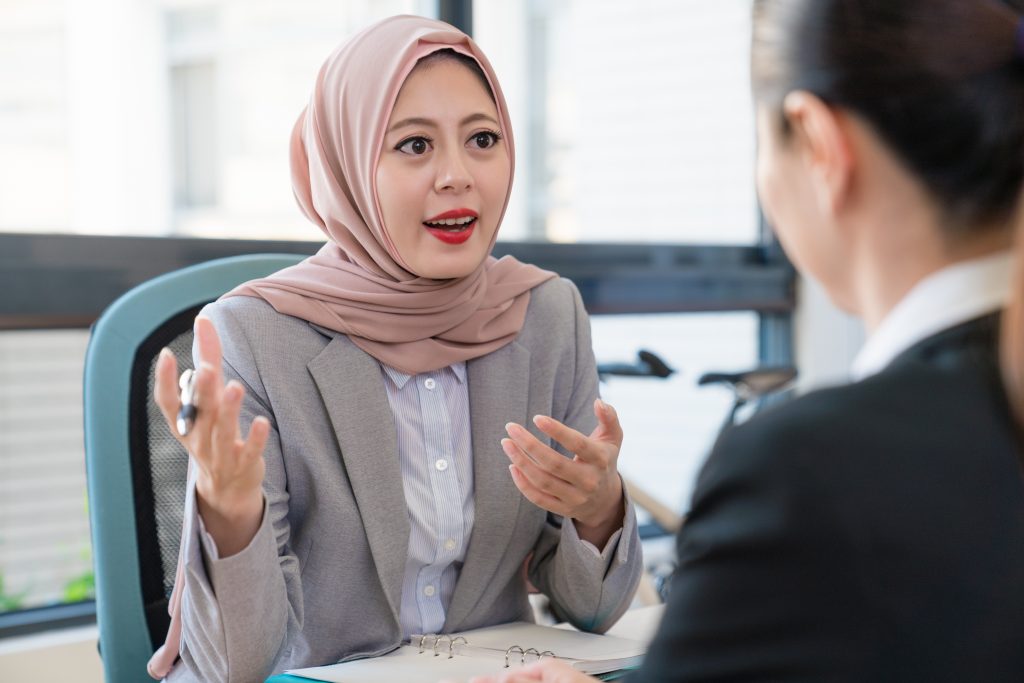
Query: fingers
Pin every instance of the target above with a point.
(608, 427)
(569, 438)
(208, 345)
(548, 458)
(554, 474)
(225, 432)
(549, 671)
(557, 671)
(259, 430)
(165, 388)
(585, 488)
(593, 449)
(208, 396)
(523, 675)
(537, 496)
(216, 425)
(533, 485)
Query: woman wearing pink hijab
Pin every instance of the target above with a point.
(365, 474)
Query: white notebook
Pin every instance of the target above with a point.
(459, 656)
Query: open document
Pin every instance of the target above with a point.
(458, 656)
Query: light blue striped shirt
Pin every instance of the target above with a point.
(431, 412)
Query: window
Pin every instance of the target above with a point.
(151, 119)
(633, 120)
(670, 424)
(35, 190)
(44, 523)
(633, 125)
(164, 117)
(191, 38)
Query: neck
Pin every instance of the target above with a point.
(887, 277)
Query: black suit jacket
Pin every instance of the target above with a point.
(873, 532)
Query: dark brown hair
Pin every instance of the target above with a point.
(941, 82)
(463, 59)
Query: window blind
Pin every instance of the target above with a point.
(44, 527)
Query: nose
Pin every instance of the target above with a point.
(453, 174)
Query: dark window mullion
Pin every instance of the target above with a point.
(458, 13)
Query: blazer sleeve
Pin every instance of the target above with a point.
(238, 611)
(767, 585)
(589, 589)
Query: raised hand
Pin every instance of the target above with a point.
(586, 488)
(229, 468)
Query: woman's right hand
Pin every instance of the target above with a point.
(229, 469)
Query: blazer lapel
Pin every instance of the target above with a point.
(353, 392)
(498, 393)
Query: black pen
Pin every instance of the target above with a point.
(187, 412)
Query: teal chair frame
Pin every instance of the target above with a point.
(124, 635)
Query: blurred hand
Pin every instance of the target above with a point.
(547, 671)
(229, 469)
(588, 488)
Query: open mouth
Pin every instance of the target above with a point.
(452, 227)
(452, 224)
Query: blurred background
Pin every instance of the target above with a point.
(171, 119)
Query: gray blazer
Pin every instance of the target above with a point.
(321, 581)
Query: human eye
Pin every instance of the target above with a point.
(417, 145)
(484, 139)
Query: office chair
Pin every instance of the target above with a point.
(135, 469)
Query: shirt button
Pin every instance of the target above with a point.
(449, 544)
(429, 591)
(441, 464)
(429, 383)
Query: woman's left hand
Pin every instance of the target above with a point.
(587, 488)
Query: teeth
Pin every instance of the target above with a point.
(452, 221)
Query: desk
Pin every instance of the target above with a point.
(638, 624)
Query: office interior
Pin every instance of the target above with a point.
(140, 137)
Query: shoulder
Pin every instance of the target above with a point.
(555, 304)
(554, 318)
(887, 428)
(253, 333)
(248, 313)
(557, 296)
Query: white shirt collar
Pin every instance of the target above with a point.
(400, 378)
(944, 299)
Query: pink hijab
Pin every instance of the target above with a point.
(357, 283)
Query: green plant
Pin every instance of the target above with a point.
(10, 601)
(81, 587)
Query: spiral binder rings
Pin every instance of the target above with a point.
(431, 642)
(431, 657)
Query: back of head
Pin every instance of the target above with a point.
(942, 84)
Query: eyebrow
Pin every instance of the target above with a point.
(420, 121)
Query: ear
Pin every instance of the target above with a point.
(825, 146)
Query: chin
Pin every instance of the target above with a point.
(438, 261)
(454, 271)
(446, 270)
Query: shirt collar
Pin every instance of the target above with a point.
(953, 295)
(400, 378)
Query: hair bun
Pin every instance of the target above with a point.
(1018, 43)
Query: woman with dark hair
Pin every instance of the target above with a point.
(875, 532)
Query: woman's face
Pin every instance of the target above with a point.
(444, 171)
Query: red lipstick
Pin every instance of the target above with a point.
(454, 213)
(452, 227)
